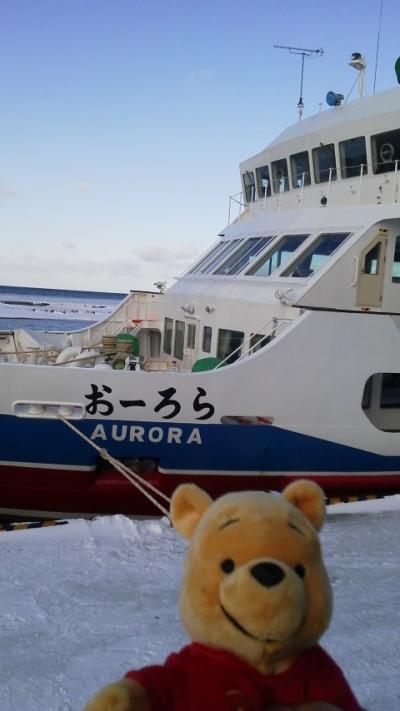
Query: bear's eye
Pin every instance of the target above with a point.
(227, 565)
(300, 570)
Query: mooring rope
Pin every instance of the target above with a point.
(129, 474)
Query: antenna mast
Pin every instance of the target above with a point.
(312, 54)
(377, 43)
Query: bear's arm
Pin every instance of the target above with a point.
(327, 684)
(124, 695)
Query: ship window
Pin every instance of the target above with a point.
(353, 154)
(168, 331)
(207, 335)
(249, 185)
(396, 262)
(263, 181)
(367, 395)
(316, 255)
(371, 261)
(324, 163)
(385, 151)
(241, 258)
(390, 393)
(179, 339)
(381, 401)
(257, 341)
(227, 249)
(218, 248)
(300, 167)
(191, 335)
(280, 176)
(278, 256)
(229, 341)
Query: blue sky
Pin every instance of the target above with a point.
(123, 122)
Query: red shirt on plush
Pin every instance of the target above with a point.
(200, 677)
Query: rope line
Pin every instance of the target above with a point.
(132, 476)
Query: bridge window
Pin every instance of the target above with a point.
(324, 163)
(280, 176)
(207, 337)
(249, 185)
(385, 151)
(396, 262)
(278, 256)
(241, 258)
(229, 341)
(215, 250)
(179, 339)
(263, 181)
(353, 154)
(229, 246)
(168, 331)
(316, 255)
(300, 166)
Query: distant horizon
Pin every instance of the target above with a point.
(49, 289)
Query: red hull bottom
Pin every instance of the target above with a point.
(62, 493)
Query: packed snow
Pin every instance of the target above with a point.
(82, 603)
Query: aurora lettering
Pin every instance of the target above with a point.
(138, 433)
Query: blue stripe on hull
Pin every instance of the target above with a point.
(223, 447)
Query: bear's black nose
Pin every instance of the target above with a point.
(268, 574)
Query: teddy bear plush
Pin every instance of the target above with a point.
(255, 601)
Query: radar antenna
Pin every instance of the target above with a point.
(312, 54)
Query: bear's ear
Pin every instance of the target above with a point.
(309, 498)
(188, 504)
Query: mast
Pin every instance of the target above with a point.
(311, 54)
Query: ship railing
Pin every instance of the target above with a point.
(271, 195)
(127, 318)
(268, 330)
(236, 202)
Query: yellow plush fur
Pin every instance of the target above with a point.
(250, 528)
(222, 604)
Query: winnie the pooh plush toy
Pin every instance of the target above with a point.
(255, 600)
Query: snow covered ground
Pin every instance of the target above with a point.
(84, 602)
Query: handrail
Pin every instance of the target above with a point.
(337, 174)
(233, 198)
(356, 270)
(118, 321)
(276, 322)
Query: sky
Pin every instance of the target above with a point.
(123, 123)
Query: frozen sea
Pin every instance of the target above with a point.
(53, 309)
(84, 602)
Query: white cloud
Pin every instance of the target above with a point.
(81, 187)
(7, 193)
(160, 254)
(69, 245)
(136, 271)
